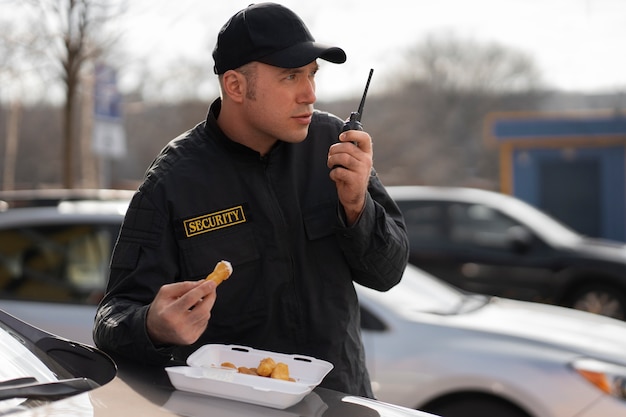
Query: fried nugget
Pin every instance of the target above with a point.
(281, 371)
(223, 270)
(247, 371)
(266, 366)
(228, 365)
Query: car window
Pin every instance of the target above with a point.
(542, 224)
(60, 263)
(480, 225)
(424, 220)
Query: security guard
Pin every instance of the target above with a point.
(275, 188)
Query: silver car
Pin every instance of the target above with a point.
(54, 257)
(432, 347)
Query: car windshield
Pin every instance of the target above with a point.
(419, 291)
(38, 368)
(547, 227)
(16, 361)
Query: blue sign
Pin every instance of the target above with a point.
(108, 100)
(109, 138)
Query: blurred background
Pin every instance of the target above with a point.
(525, 97)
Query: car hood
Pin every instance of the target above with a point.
(579, 332)
(602, 249)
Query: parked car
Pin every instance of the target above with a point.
(54, 257)
(43, 375)
(433, 347)
(436, 348)
(53, 196)
(491, 243)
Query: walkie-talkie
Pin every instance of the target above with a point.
(354, 122)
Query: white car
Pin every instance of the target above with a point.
(432, 347)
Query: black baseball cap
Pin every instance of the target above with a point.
(272, 34)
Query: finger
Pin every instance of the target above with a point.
(338, 160)
(340, 174)
(198, 294)
(178, 289)
(201, 311)
(207, 294)
(360, 138)
(199, 315)
(343, 155)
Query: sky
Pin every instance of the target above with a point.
(576, 44)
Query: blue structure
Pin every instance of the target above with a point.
(572, 166)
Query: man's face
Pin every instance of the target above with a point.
(279, 102)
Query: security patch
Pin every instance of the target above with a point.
(214, 221)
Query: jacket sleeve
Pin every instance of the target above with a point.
(140, 265)
(120, 330)
(376, 246)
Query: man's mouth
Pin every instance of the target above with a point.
(304, 118)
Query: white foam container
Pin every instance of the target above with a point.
(204, 375)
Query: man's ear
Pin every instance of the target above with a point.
(234, 85)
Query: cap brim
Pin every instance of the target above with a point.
(304, 53)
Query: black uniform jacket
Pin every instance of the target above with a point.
(277, 220)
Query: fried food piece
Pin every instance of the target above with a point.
(228, 365)
(266, 366)
(222, 271)
(247, 371)
(281, 371)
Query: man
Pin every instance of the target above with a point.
(276, 189)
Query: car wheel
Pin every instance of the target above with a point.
(472, 406)
(600, 299)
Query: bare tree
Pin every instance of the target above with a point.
(71, 36)
(461, 81)
(449, 63)
(14, 74)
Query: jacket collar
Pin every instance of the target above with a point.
(215, 133)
